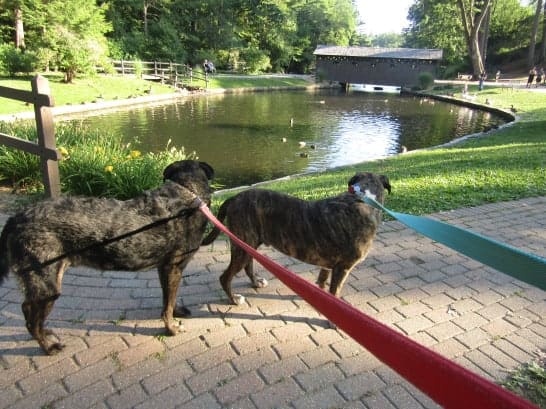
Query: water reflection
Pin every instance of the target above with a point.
(254, 137)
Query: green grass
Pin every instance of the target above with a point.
(506, 164)
(109, 87)
(258, 82)
(94, 162)
(529, 381)
(82, 90)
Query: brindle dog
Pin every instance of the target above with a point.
(39, 244)
(334, 233)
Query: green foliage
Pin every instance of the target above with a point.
(437, 24)
(256, 61)
(387, 40)
(14, 61)
(138, 68)
(529, 381)
(426, 80)
(69, 36)
(509, 29)
(252, 36)
(20, 169)
(94, 163)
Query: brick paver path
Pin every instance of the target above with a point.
(275, 350)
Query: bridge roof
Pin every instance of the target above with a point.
(377, 52)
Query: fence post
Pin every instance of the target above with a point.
(46, 137)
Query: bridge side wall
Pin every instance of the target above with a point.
(383, 71)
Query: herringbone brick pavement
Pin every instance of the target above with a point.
(275, 351)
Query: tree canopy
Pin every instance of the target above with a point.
(247, 35)
(471, 32)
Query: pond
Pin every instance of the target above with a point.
(253, 137)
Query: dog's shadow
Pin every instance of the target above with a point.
(69, 323)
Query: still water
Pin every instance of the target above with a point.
(253, 137)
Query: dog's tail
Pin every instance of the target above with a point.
(4, 250)
(215, 232)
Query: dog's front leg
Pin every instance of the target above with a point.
(323, 277)
(36, 312)
(169, 277)
(339, 275)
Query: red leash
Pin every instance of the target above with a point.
(446, 382)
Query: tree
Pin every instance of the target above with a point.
(473, 15)
(534, 32)
(508, 29)
(387, 40)
(74, 32)
(433, 25)
(19, 29)
(12, 11)
(542, 57)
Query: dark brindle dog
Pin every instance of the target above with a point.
(334, 233)
(38, 244)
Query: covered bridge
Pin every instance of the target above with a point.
(370, 65)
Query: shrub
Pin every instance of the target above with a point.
(19, 168)
(138, 67)
(14, 61)
(94, 163)
(426, 80)
(256, 60)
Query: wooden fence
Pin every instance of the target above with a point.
(166, 72)
(41, 98)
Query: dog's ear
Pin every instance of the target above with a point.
(209, 171)
(386, 183)
(353, 180)
(171, 170)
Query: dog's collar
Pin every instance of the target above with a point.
(355, 189)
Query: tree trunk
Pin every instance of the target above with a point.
(534, 32)
(145, 18)
(484, 36)
(542, 58)
(19, 30)
(473, 19)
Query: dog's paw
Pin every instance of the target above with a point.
(55, 348)
(238, 299)
(260, 282)
(174, 328)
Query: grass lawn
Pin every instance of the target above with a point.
(505, 164)
(109, 87)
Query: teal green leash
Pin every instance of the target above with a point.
(526, 267)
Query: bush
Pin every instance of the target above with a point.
(256, 60)
(138, 67)
(93, 164)
(14, 61)
(426, 80)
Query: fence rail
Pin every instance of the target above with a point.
(41, 98)
(166, 72)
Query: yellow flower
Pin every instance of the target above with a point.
(109, 168)
(134, 154)
(63, 151)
